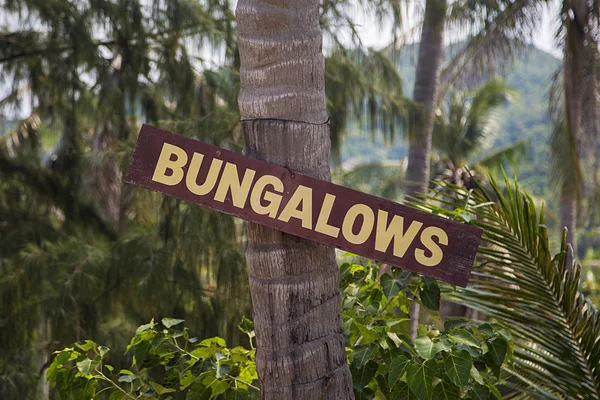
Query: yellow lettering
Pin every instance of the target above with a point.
(273, 199)
(211, 177)
(436, 252)
(394, 231)
(165, 163)
(230, 181)
(365, 229)
(322, 225)
(302, 195)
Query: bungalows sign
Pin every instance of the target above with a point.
(300, 205)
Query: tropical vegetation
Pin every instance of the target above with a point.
(110, 291)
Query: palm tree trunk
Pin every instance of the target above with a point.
(431, 52)
(294, 283)
(574, 64)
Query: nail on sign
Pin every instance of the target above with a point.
(303, 206)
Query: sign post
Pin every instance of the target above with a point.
(303, 206)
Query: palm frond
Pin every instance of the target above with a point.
(519, 282)
(460, 130)
(365, 87)
(501, 28)
(511, 153)
(379, 178)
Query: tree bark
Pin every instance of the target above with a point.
(294, 283)
(431, 52)
(573, 69)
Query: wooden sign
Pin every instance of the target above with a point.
(300, 205)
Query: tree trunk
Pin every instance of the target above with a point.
(573, 69)
(294, 283)
(431, 52)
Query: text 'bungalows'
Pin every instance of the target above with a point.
(310, 208)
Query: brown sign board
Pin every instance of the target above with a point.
(303, 206)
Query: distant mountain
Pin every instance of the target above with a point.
(526, 117)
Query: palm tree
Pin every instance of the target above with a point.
(294, 283)
(534, 293)
(461, 129)
(82, 255)
(574, 111)
(500, 27)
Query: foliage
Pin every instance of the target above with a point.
(461, 361)
(167, 363)
(462, 127)
(82, 254)
(522, 284)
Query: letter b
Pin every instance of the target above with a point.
(165, 163)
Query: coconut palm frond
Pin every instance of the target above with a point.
(365, 87)
(519, 282)
(379, 178)
(460, 131)
(502, 28)
(512, 154)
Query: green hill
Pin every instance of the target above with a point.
(525, 117)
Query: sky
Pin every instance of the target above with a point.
(374, 35)
(378, 35)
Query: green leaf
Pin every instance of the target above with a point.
(479, 392)
(217, 341)
(365, 394)
(369, 335)
(390, 355)
(186, 379)
(401, 391)
(117, 395)
(248, 373)
(218, 387)
(428, 349)
(361, 354)
(63, 357)
(458, 367)
(127, 376)
(398, 367)
(446, 390)
(203, 352)
(453, 323)
(145, 327)
(494, 391)
(103, 350)
(222, 369)
(486, 328)
(87, 346)
(463, 336)
(420, 379)
(476, 375)
(84, 389)
(391, 286)
(160, 390)
(85, 366)
(171, 322)
(199, 391)
(362, 376)
(430, 296)
(497, 350)
(237, 394)
(247, 326)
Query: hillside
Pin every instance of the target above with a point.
(525, 117)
